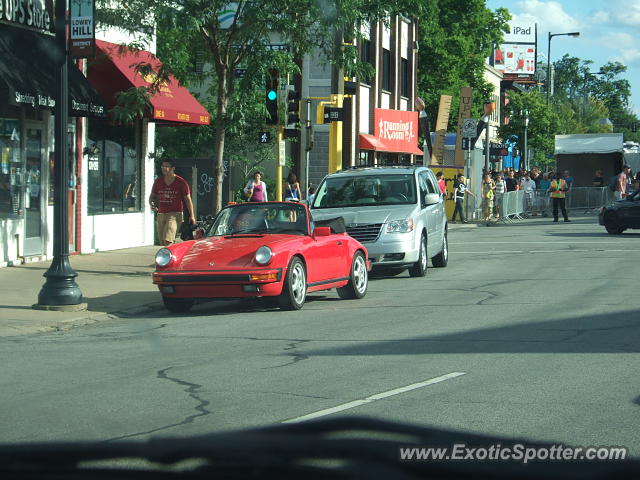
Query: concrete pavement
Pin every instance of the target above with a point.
(111, 282)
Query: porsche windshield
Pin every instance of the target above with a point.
(289, 218)
(351, 190)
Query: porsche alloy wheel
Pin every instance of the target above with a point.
(442, 258)
(294, 290)
(178, 305)
(419, 269)
(358, 279)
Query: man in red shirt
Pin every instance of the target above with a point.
(169, 194)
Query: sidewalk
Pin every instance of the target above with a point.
(111, 282)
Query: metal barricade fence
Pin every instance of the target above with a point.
(588, 199)
(511, 205)
(538, 202)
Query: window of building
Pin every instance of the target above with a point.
(404, 86)
(113, 156)
(366, 57)
(386, 70)
(11, 167)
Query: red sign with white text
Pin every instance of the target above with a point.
(397, 130)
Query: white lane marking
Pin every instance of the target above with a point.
(373, 398)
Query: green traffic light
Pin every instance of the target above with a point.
(272, 95)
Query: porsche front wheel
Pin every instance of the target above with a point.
(358, 279)
(178, 305)
(294, 290)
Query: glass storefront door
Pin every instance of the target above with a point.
(35, 207)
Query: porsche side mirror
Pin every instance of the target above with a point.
(322, 232)
(431, 199)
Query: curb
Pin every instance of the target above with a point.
(85, 320)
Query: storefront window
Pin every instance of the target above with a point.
(113, 161)
(11, 168)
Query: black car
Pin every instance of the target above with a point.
(622, 214)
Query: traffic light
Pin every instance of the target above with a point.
(271, 97)
(634, 127)
(293, 107)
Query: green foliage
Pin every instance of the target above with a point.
(585, 96)
(456, 36)
(542, 121)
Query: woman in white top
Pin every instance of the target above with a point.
(256, 189)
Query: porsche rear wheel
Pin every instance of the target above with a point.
(294, 290)
(358, 279)
(178, 305)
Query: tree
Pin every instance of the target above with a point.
(542, 120)
(585, 96)
(456, 37)
(229, 35)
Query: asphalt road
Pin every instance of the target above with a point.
(531, 331)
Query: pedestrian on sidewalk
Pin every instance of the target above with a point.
(256, 189)
(488, 192)
(621, 183)
(558, 191)
(501, 187)
(292, 192)
(461, 191)
(169, 195)
(441, 184)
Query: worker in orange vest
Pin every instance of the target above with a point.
(558, 189)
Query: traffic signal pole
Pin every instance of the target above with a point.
(335, 138)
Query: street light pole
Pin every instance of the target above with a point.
(549, 37)
(60, 291)
(527, 164)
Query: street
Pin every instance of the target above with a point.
(531, 331)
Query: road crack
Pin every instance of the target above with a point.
(295, 356)
(192, 390)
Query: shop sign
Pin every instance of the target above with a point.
(397, 129)
(82, 38)
(32, 14)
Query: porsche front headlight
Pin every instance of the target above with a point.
(164, 257)
(400, 226)
(264, 255)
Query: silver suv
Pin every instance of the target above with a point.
(396, 212)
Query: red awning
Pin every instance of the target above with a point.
(112, 72)
(370, 142)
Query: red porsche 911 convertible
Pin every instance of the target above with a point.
(268, 249)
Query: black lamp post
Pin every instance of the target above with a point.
(60, 291)
(550, 36)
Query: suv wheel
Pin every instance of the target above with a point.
(419, 269)
(442, 258)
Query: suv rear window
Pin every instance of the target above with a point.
(348, 191)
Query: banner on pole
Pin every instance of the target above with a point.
(82, 36)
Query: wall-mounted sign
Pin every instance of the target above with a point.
(82, 38)
(31, 14)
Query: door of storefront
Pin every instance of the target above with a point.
(35, 176)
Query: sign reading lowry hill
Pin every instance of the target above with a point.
(31, 14)
(82, 40)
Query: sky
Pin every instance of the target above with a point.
(609, 31)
